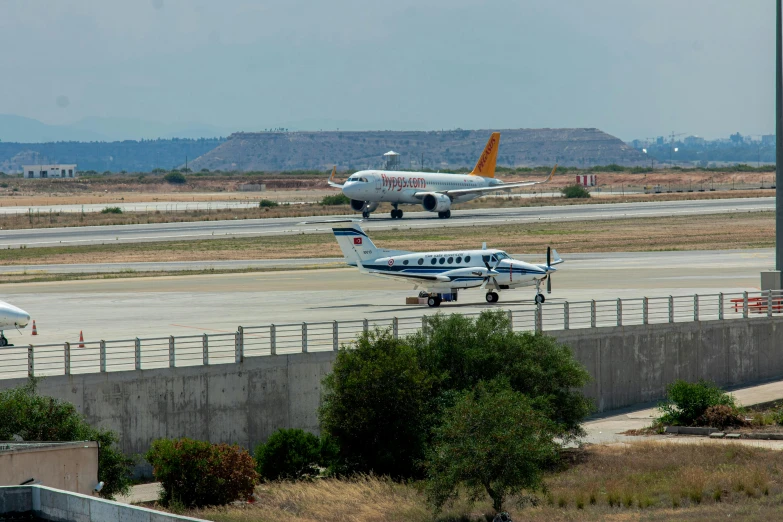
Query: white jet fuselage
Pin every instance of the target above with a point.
(401, 187)
(12, 316)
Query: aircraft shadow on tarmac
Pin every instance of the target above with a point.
(380, 309)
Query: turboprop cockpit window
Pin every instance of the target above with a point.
(502, 255)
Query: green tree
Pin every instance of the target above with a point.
(33, 417)
(492, 441)
(288, 454)
(459, 352)
(376, 406)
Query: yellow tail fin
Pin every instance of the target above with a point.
(486, 163)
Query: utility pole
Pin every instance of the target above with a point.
(770, 280)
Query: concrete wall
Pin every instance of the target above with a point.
(632, 365)
(66, 466)
(245, 403)
(64, 506)
(234, 403)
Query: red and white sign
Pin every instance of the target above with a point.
(586, 180)
(357, 241)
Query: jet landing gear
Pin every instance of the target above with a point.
(3, 340)
(444, 215)
(492, 297)
(365, 214)
(396, 213)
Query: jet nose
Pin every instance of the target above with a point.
(23, 320)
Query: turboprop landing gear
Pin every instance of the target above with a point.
(3, 340)
(444, 215)
(433, 301)
(365, 214)
(396, 213)
(492, 297)
(539, 296)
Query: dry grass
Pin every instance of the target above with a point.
(359, 500)
(714, 232)
(639, 481)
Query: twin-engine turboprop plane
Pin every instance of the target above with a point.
(436, 192)
(11, 317)
(444, 274)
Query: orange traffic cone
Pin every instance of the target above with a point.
(35, 330)
(81, 339)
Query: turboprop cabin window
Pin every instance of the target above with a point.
(467, 259)
(434, 260)
(421, 261)
(442, 260)
(451, 260)
(405, 262)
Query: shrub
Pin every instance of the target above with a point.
(721, 417)
(111, 210)
(686, 402)
(376, 406)
(25, 414)
(196, 473)
(575, 191)
(267, 203)
(175, 178)
(337, 199)
(491, 441)
(288, 454)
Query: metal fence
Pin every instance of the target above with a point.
(273, 339)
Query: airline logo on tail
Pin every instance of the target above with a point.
(357, 241)
(486, 163)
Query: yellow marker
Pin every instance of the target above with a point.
(334, 172)
(486, 163)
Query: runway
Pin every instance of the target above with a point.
(186, 305)
(71, 236)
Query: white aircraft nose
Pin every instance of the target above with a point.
(13, 315)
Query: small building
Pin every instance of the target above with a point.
(49, 171)
(587, 180)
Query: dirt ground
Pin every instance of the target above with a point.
(311, 187)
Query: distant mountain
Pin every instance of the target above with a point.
(27, 130)
(114, 156)
(274, 151)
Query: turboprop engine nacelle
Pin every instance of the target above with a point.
(363, 206)
(436, 202)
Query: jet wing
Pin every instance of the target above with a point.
(331, 181)
(493, 188)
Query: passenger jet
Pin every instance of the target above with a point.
(444, 274)
(436, 192)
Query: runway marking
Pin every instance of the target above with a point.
(201, 329)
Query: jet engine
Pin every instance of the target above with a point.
(363, 206)
(436, 202)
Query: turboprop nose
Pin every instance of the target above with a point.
(14, 315)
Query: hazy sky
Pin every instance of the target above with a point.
(634, 68)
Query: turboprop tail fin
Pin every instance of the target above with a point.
(485, 167)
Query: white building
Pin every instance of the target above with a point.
(49, 171)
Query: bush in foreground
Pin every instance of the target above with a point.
(25, 414)
(575, 191)
(686, 402)
(289, 454)
(112, 210)
(376, 406)
(196, 473)
(267, 203)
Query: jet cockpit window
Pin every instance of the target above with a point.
(502, 255)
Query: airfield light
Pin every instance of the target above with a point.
(644, 150)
